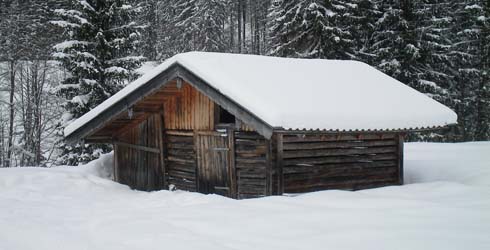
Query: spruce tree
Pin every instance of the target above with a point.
(99, 55)
(393, 40)
(309, 29)
(467, 59)
(210, 19)
(148, 18)
(200, 25)
(482, 132)
(362, 24)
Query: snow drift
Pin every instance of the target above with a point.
(446, 207)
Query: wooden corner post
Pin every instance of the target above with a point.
(232, 168)
(279, 164)
(161, 136)
(115, 163)
(400, 158)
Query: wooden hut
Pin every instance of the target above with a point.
(250, 126)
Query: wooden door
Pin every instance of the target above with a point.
(213, 163)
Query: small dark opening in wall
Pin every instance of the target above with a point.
(225, 116)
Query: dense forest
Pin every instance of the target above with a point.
(61, 58)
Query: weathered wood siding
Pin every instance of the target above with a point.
(137, 168)
(171, 139)
(252, 161)
(213, 162)
(312, 162)
(186, 108)
(181, 162)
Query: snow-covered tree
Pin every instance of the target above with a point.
(483, 90)
(392, 45)
(200, 24)
(309, 29)
(99, 54)
(361, 23)
(149, 20)
(470, 54)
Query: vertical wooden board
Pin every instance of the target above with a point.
(188, 109)
(212, 161)
(400, 159)
(115, 163)
(162, 184)
(142, 171)
(268, 168)
(232, 166)
(151, 167)
(280, 164)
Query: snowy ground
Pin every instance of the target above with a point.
(445, 206)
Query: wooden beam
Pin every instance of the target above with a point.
(121, 106)
(279, 164)
(161, 145)
(135, 122)
(138, 147)
(179, 133)
(400, 158)
(232, 168)
(156, 110)
(115, 161)
(196, 160)
(268, 168)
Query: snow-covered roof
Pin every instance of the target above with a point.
(303, 93)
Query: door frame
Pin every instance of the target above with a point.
(231, 182)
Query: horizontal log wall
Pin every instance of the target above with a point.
(316, 162)
(251, 162)
(181, 159)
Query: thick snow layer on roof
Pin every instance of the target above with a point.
(305, 93)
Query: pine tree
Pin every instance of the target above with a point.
(361, 23)
(468, 58)
(210, 19)
(482, 132)
(200, 24)
(148, 17)
(99, 54)
(309, 29)
(393, 39)
(433, 65)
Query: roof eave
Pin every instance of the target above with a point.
(356, 131)
(174, 71)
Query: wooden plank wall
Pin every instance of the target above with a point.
(252, 164)
(140, 169)
(181, 160)
(187, 108)
(213, 162)
(313, 162)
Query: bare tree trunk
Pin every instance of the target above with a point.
(244, 23)
(38, 115)
(11, 116)
(2, 144)
(253, 16)
(239, 18)
(232, 31)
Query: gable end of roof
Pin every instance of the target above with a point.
(174, 71)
